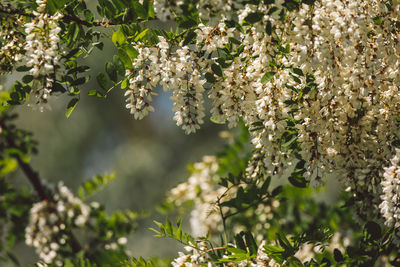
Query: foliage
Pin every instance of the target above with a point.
(311, 86)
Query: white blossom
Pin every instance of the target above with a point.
(46, 228)
(42, 51)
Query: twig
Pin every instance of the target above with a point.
(70, 18)
(34, 179)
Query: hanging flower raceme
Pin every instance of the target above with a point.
(42, 50)
(11, 42)
(390, 206)
(188, 90)
(142, 79)
(178, 72)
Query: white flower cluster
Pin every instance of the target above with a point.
(390, 206)
(350, 119)
(178, 72)
(208, 9)
(51, 221)
(215, 8)
(264, 214)
(142, 79)
(199, 257)
(164, 9)
(11, 42)
(329, 71)
(42, 45)
(194, 258)
(201, 188)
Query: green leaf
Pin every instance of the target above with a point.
(93, 185)
(88, 15)
(295, 262)
(210, 77)
(118, 37)
(298, 71)
(374, 230)
(79, 69)
(251, 243)
(96, 93)
(267, 77)
(80, 81)
(217, 69)
(337, 254)
(309, 2)
(119, 66)
(161, 226)
(298, 181)
(151, 10)
(284, 242)
(119, 5)
(217, 120)
(130, 51)
(111, 71)
(272, 10)
(125, 59)
(27, 78)
(254, 17)
(23, 68)
(124, 84)
(102, 80)
(68, 263)
(168, 227)
(236, 251)
(377, 20)
(99, 45)
(234, 41)
(291, 141)
(178, 232)
(141, 35)
(189, 37)
(239, 241)
(273, 249)
(264, 187)
(187, 24)
(268, 27)
(277, 191)
(140, 10)
(73, 31)
(73, 53)
(71, 106)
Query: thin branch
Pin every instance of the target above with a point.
(32, 176)
(223, 219)
(70, 18)
(34, 179)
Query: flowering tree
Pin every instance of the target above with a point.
(313, 85)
